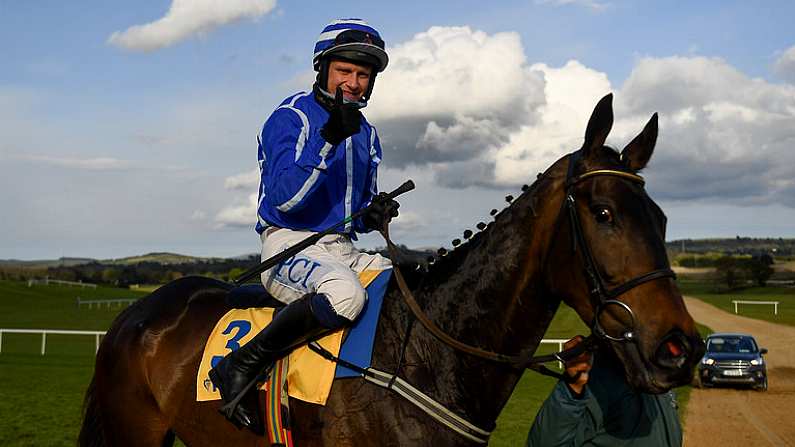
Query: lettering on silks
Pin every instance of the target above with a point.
(296, 270)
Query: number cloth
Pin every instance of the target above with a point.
(310, 376)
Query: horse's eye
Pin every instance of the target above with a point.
(604, 216)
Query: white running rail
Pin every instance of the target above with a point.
(44, 332)
(98, 334)
(48, 281)
(774, 303)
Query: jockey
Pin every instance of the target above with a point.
(318, 158)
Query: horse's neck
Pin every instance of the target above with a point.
(489, 297)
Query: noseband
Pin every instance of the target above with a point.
(603, 296)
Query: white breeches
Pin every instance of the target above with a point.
(330, 266)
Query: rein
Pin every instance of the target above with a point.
(516, 361)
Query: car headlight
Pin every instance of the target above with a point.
(757, 362)
(707, 361)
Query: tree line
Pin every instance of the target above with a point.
(730, 271)
(139, 273)
(734, 272)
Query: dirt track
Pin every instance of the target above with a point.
(738, 417)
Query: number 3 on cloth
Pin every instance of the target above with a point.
(243, 327)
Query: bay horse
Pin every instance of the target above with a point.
(585, 233)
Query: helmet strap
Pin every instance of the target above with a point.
(322, 74)
(323, 97)
(370, 86)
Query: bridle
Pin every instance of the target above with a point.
(603, 296)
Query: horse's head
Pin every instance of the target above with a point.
(609, 263)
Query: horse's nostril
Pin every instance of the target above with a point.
(674, 348)
(673, 352)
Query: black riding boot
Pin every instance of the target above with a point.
(293, 325)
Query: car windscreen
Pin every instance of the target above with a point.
(732, 345)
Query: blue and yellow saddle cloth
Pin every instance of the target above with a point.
(309, 376)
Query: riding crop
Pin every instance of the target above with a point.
(297, 248)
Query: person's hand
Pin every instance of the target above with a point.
(382, 210)
(344, 120)
(580, 364)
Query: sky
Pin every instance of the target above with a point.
(130, 127)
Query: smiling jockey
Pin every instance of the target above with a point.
(318, 160)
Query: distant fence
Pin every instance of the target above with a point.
(120, 302)
(781, 282)
(47, 281)
(98, 334)
(555, 341)
(44, 332)
(773, 303)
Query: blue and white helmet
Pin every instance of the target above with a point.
(353, 40)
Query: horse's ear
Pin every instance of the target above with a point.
(638, 151)
(600, 124)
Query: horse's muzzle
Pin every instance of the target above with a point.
(676, 355)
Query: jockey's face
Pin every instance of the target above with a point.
(352, 78)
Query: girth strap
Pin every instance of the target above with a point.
(428, 405)
(419, 399)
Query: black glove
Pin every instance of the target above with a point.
(382, 210)
(344, 120)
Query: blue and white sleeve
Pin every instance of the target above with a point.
(372, 178)
(296, 160)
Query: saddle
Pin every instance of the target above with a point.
(304, 374)
(251, 295)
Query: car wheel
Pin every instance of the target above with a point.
(762, 386)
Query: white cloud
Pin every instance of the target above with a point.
(246, 181)
(590, 4)
(186, 18)
(453, 94)
(449, 70)
(243, 213)
(98, 164)
(407, 222)
(785, 65)
(469, 104)
(697, 81)
(723, 135)
(571, 92)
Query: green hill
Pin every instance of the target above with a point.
(159, 258)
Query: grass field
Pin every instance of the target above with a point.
(705, 291)
(55, 307)
(520, 411)
(42, 395)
